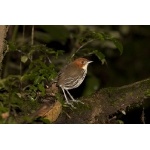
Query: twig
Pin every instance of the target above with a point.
(23, 34)
(32, 35)
(81, 47)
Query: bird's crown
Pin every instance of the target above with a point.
(82, 62)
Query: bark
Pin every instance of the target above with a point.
(3, 31)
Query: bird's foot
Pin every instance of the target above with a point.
(77, 101)
(68, 103)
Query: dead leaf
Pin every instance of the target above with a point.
(50, 112)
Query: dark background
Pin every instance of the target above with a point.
(133, 65)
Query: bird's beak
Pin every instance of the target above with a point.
(90, 62)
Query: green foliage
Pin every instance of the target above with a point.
(38, 64)
(18, 96)
(91, 36)
(24, 59)
(100, 56)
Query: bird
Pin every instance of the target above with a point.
(72, 75)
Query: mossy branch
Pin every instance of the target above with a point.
(99, 106)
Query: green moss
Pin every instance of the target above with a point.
(147, 93)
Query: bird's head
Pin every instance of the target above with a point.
(82, 63)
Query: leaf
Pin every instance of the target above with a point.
(99, 36)
(24, 59)
(103, 36)
(37, 80)
(59, 52)
(100, 56)
(107, 37)
(118, 45)
(50, 112)
(5, 115)
(12, 46)
(42, 89)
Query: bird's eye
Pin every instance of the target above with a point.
(82, 62)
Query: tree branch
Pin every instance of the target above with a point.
(99, 106)
(3, 31)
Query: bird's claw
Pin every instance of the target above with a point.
(78, 101)
(70, 105)
(75, 101)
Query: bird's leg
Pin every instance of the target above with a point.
(70, 96)
(65, 95)
(67, 98)
(73, 98)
